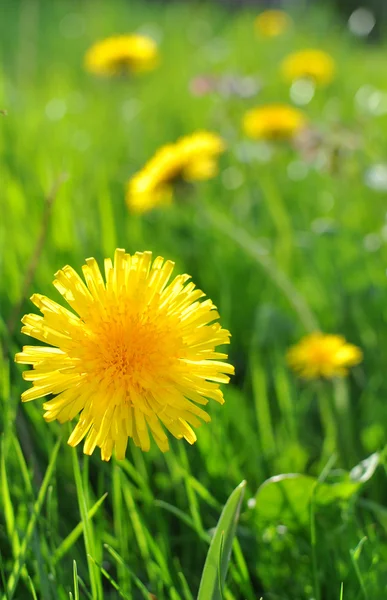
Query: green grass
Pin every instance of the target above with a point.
(280, 245)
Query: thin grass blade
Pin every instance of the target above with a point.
(72, 537)
(20, 558)
(218, 557)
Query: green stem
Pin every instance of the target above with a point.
(337, 422)
(328, 420)
(279, 214)
(345, 422)
(262, 407)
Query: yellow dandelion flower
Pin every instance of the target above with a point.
(136, 356)
(191, 158)
(272, 23)
(273, 121)
(323, 355)
(309, 64)
(122, 55)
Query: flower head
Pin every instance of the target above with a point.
(309, 64)
(273, 121)
(323, 355)
(134, 356)
(191, 158)
(122, 55)
(271, 23)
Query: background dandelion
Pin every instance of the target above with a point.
(121, 55)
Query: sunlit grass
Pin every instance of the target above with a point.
(285, 241)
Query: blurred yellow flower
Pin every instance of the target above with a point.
(323, 355)
(273, 121)
(191, 158)
(272, 23)
(309, 64)
(122, 55)
(136, 354)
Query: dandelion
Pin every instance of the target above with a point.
(272, 23)
(273, 121)
(316, 65)
(136, 355)
(323, 355)
(191, 158)
(122, 55)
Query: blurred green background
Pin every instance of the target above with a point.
(281, 227)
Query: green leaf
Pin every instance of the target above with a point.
(218, 557)
(287, 497)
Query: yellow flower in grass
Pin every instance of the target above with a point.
(122, 55)
(191, 158)
(135, 356)
(272, 23)
(273, 122)
(309, 64)
(323, 355)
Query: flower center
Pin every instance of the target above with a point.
(320, 355)
(130, 351)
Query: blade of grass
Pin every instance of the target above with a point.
(111, 580)
(23, 466)
(139, 531)
(72, 537)
(218, 557)
(313, 541)
(37, 251)
(355, 555)
(120, 530)
(240, 563)
(136, 580)
(2, 576)
(136, 522)
(159, 558)
(20, 558)
(84, 588)
(137, 478)
(183, 517)
(262, 406)
(191, 495)
(94, 572)
(75, 577)
(32, 588)
(185, 587)
(342, 591)
(267, 263)
(9, 514)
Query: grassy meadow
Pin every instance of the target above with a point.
(287, 239)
